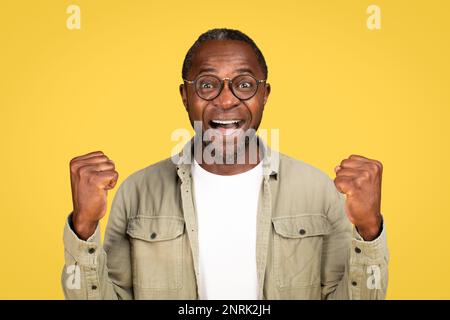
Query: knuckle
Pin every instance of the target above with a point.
(358, 185)
(73, 161)
(365, 174)
(73, 168)
(343, 162)
(339, 180)
(362, 178)
(374, 167)
(340, 173)
(108, 166)
(83, 171)
(379, 164)
(340, 184)
(98, 159)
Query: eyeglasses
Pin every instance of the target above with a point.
(209, 87)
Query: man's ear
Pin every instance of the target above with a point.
(266, 92)
(183, 94)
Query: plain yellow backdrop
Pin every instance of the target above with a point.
(337, 88)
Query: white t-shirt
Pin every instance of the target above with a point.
(226, 209)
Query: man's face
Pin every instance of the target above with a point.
(225, 59)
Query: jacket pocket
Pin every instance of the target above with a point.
(156, 251)
(297, 249)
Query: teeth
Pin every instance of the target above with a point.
(225, 121)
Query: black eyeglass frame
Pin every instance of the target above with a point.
(222, 84)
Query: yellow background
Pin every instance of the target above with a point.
(337, 89)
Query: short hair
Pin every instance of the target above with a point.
(222, 34)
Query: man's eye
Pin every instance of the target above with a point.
(245, 85)
(206, 85)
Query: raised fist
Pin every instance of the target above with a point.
(91, 176)
(359, 178)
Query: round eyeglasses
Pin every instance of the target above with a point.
(209, 87)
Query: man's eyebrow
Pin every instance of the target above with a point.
(214, 70)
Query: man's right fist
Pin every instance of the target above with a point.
(91, 176)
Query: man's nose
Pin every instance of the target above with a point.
(226, 99)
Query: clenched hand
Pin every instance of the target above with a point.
(359, 178)
(91, 176)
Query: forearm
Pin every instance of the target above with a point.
(85, 273)
(366, 270)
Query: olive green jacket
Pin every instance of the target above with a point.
(306, 247)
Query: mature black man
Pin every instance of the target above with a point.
(228, 217)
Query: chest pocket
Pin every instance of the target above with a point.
(156, 251)
(297, 249)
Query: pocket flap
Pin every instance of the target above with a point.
(301, 226)
(155, 228)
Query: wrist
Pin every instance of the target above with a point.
(84, 229)
(370, 231)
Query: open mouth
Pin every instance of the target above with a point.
(226, 127)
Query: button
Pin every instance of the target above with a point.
(354, 283)
(94, 287)
(357, 250)
(153, 235)
(91, 250)
(302, 231)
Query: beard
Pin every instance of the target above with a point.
(240, 148)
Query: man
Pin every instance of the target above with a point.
(264, 227)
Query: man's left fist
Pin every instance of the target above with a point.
(359, 179)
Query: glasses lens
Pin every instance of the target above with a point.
(244, 87)
(208, 87)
